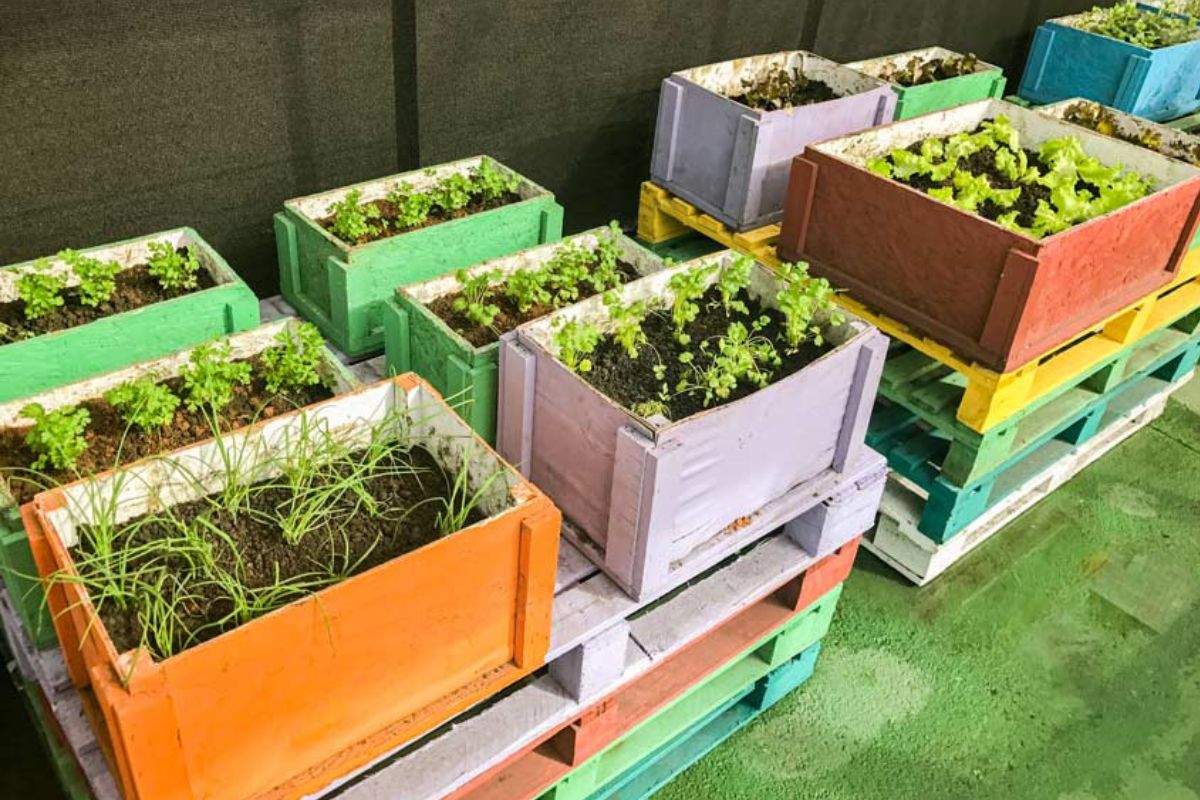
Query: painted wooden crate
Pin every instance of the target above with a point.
(912, 101)
(16, 561)
(1065, 61)
(658, 501)
(991, 295)
(54, 359)
(374, 672)
(914, 450)
(341, 287)
(732, 160)
(417, 340)
(1170, 140)
(648, 758)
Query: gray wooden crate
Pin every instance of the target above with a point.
(733, 161)
(657, 502)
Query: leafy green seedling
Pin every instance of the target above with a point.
(800, 299)
(627, 323)
(576, 341)
(172, 268)
(731, 280)
(527, 288)
(211, 375)
(688, 287)
(57, 437)
(472, 301)
(294, 363)
(40, 289)
(566, 270)
(605, 273)
(453, 192)
(144, 403)
(492, 184)
(97, 279)
(412, 207)
(355, 222)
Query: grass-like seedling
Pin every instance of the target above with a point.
(41, 289)
(144, 403)
(97, 279)
(294, 362)
(56, 436)
(172, 268)
(211, 375)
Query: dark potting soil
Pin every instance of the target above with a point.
(784, 89)
(1103, 121)
(360, 542)
(436, 216)
(111, 442)
(136, 288)
(632, 381)
(933, 70)
(510, 316)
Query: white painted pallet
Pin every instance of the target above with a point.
(897, 542)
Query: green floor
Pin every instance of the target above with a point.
(1061, 660)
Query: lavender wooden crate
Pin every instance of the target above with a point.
(657, 501)
(732, 160)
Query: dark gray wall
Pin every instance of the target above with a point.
(121, 118)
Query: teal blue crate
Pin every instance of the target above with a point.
(660, 767)
(1067, 62)
(913, 448)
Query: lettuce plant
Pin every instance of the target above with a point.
(1127, 22)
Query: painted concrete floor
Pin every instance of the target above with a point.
(1061, 661)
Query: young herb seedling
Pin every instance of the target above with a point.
(412, 207)
(211, 375)
(627, 322)
(605, 273)
(355, 222)
(527, 288)
(732, 279)
(40, 289)
(294, 363)
(57, 437)
(472, 301)
(172, 268)
(452, 193)
(492, 184)
(800, 299)
(688, 287)
(144, 403)
(576, 341)
(97, 279)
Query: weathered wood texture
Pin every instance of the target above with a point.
(732, 160)
(1065, 61)
(16, 561)
(990, 294)
(659, 501)
(350, 672)
(54, 359)
(986, 81)
(341, 287)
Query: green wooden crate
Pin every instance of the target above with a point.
(911, 101)
(17, 567)
(417, 340)
(342, 288)
(58, 358)
(607, 772)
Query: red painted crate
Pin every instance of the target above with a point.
(990, 294)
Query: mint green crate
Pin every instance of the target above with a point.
(342, 288)
(54, 359)
(417, 340)
(911, 101)
(17, 568)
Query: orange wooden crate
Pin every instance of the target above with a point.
(285, 704)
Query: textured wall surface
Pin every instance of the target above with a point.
(121, 118)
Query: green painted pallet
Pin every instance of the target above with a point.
(789, 653)
(417, 340)
(911, 101)
(17, 568)
(914, 449)
(933, 392)
(54, 359)
(690, 246)
(342, 288)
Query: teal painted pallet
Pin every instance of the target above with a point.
(914, 449)
(660, 766)
(341, 288)
(54, 359)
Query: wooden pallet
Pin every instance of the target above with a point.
(897, 540)
(602, 641)
(988, 398)
(917, 451)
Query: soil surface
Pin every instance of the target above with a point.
(111, 442)
(630, 381)
(1103, 121)
(436, 216)
(784, 89)
(352, 543)
(136, 288)
(510, 316)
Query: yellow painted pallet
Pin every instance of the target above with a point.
(990, 397)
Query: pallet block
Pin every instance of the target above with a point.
(989, 398)
(754, 592)
(897, 541)
(914, 450)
